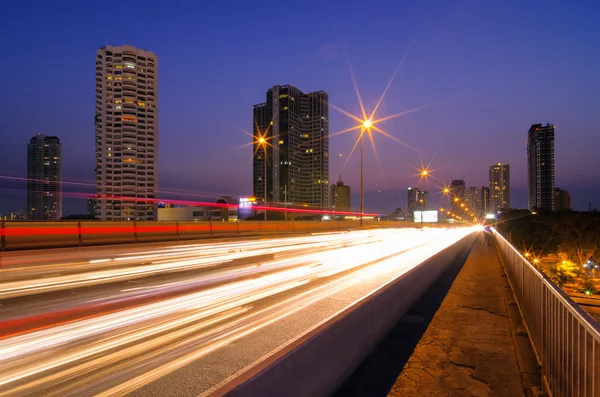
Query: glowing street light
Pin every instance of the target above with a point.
(261, 143)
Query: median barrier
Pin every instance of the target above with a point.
(17, 235)
(146, 232)
(318, 362)
(194, 230)
(37, 235)
(98, 233)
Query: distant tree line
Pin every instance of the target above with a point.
(563, 244)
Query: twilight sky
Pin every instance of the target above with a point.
(490, 69)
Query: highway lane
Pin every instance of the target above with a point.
(166, 323)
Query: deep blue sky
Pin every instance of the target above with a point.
(493, 68)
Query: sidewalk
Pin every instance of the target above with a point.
(468, 348)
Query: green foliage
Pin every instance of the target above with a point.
(572, 236)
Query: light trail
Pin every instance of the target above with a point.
(199, 311)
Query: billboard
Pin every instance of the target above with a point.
(427, 216)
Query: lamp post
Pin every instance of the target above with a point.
(424, 173)
(365, 127)
(263, 142)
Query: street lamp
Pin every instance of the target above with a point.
(262, 142)
(366, 125)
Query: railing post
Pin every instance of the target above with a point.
(177, 229)
(3, 235)
(210, 228)
(135, 237)
(79, 238)
(237, 227)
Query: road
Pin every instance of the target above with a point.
(181, 319)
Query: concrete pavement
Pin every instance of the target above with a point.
(468, 348)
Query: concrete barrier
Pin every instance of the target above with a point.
(36, 235)
(318, 362)
(18, 235)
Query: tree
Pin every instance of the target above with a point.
(578, 235)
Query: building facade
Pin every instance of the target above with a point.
(473, 199)
(126, 133)
(499, 184)
(291, 147)
(562, 200)
(44, 178)
(340, 196)
(458, 187)
(413, 200)
(485, 200)
(540, 167)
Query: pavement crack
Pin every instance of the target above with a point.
(477, 378)
(483, 309)
(463, 365)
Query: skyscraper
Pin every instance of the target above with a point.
(340, 196)
(540, 167)
(126, 133)
(499, 186)
(485, 200)
(423, 203)
(413, 199)
(295, 127)
(562, 200)
(44, 178)
(473, 199)
(457, 187)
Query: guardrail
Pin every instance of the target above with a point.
(565, 338)
(32, 235)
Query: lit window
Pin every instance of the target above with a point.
(281, 141)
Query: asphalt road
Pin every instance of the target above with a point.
(180, 319)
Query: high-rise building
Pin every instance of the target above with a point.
(126, 133)
(44, 178)
(340, 196)
(473, 199)
(413, 199)
(457, 188)
(562, 200)
(423, 203)
(295, 128)
(485, 200)
(499, 186)
(92, 206)
(540, 167)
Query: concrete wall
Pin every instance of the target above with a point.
(318, 362)
(34, 235)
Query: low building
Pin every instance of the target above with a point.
(196, 214)
(562, 200)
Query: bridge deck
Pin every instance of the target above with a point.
(468, 348)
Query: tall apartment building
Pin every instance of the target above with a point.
(126, 133)
(485, 200)
(457, 188)
(413, 200)
(499, 184)
(44, 178)
(562, 200)
(295, 126)
(473, 199)
(540, 167)
(340, 196)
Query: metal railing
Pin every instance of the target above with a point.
(565, 338)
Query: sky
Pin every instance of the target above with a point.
(481, 73)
